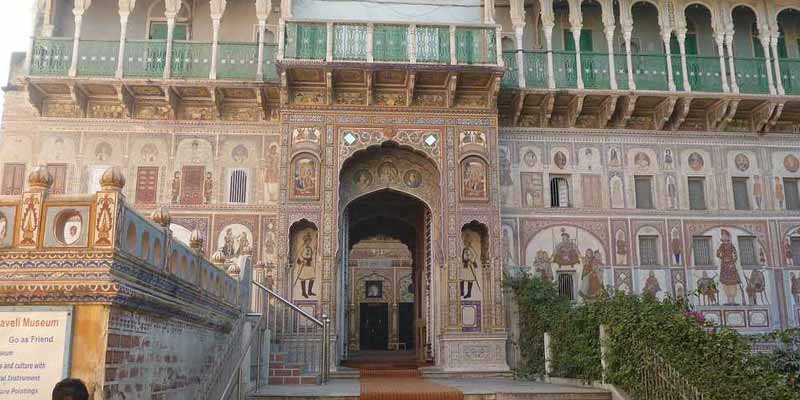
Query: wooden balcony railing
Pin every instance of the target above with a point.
(790, 75)
(361, 41)
(751, 75)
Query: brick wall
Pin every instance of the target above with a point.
(150, 357)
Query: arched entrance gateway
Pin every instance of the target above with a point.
(387, 199)
(394, 234)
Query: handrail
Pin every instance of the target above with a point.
(389, 22)
(289, 303)
(253, 335)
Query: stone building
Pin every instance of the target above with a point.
(398, 153)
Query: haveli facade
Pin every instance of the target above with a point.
(302, 133)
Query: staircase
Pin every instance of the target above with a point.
(282, 372)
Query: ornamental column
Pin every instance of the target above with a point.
(262, 13)
(576, 37)
(728, 38)
(612, 68)
(627, 33)
(681, 34)
(519, 54)
(38, 13)
(548, 37)
(125, 9)
(217, 10)
(665, 36)
(768, 60)
(776, 58)
(79, 7)
(172, 7)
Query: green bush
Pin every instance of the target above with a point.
(718, 362)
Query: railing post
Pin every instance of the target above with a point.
(170, 36)
(684, 68)
(123, 33)
(776, 59)
(453, 54)
(215, 22)
(548, 356)
(627, 34)
(329, 41)
(262, 27)
(79, 8)
(612, 68)
(326, 354)
(36, 10)
(370, 34)
(728, 39)
(670, 78)
(576, 37)
(412, 43)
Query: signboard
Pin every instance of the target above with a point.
(34, 350)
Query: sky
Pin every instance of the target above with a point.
(15, 23)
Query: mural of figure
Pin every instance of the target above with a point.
(228, 248)
(621, 248)
(756, 287)
(239, 153)
(305, 177)
(728, 275)
(560, 159)
(592, 275)
(105, 221)
(707, 288)
(208, 188)
(566, 252)
(617, 196)
(651, 285)
(244, 245)
(758, 191)
(668, 158)
(474, 179)
(176, 186)
(672, 193)
(787, 252)
(3, 227)
(508, 248)
(642, 160)
(306, 272)
(613, 158)
(387, 172)
(506, 181)
(269, 240)
(529, 158)
(469, 269)
(779, 193)
(271, 172)
(676, 247)
(103, 151)
(795, 288)
(541, 265)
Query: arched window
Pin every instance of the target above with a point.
(157, 22)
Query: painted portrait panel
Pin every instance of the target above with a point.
(305, 177)
(474, 185)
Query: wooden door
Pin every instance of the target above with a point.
(13, 179)
(192, 178)
(146, 185)
(59, 174)
(374, 326)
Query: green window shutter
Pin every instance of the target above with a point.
(158, 31)
(758, 50)
(569, 41)
(674, 48)
(181, 32)
(691, 44)
(444, 45)
(782, 53)
(379, 42)
(290, 51)
(587, 46)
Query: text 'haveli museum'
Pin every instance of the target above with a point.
(382, 163)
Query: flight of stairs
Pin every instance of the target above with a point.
(282, 372)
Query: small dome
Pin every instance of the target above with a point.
(112, 179)
(234, 269)
(195, 239)
(40, 178)
(218, 258)
(161, 216)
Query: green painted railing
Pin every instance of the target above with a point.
(350, 42)
(790, 75)
(51, 56)
(677, 72)
(433, 44)
(704, 73)
(595, 71)
(191, 59)
(476, 45)
(237, 61)
(145, 58)
(97, 58)
(535, 63)
(564, 69)
(751, 75)
(650, 71)
(621, 66)
(511, 76)
(306, 41)
(270, 55)
(390, 43)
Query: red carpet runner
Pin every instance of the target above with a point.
(402, 382)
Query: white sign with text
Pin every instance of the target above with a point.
(34, 351)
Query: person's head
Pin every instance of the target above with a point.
(70, 389)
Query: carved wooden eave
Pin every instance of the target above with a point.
(682, 107)
(716, 113)
(625, 107)
(151, 99)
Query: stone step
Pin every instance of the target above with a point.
(293, 380)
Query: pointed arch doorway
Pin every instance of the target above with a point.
(385, 285)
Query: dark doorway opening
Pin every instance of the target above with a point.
(374, 326)
(406, 322)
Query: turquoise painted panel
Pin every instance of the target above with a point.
(751, 75)
(237, 61)
(270, 69)
(535, 69)
(511, 76)
(390, 43)
(145, 58)
(650, 71)
(350, 42)
(306, 41)
(564, 69)
(191, 59)
(98, 58)
(476, 46)
(51, 56)
(433, 44)
(596, 74)
(790, 75)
